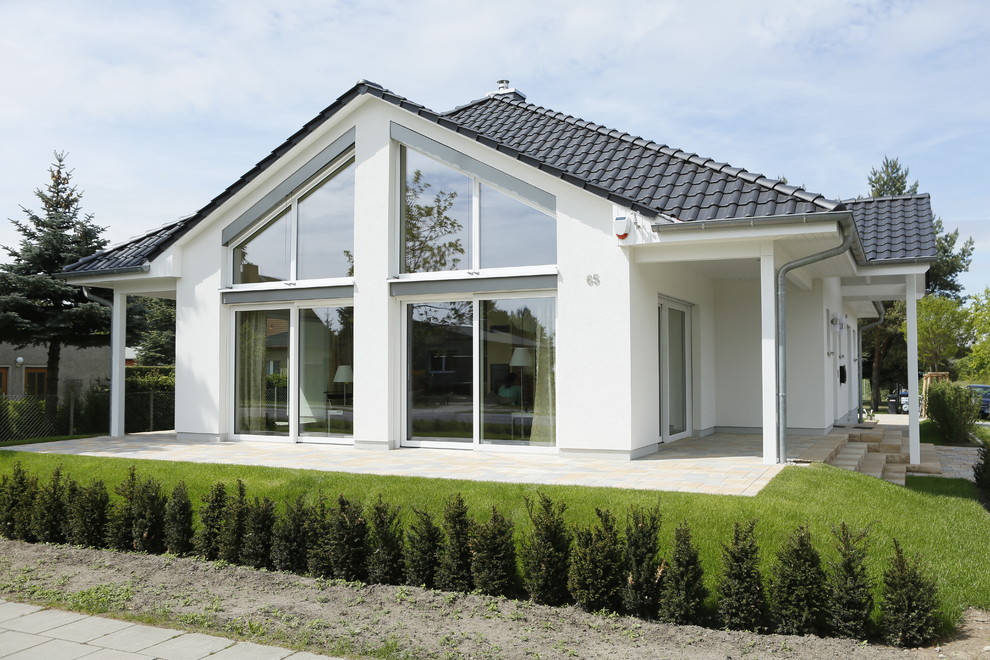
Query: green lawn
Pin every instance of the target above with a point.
(940, 519)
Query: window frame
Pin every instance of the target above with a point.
(289, 206)
(476, 370)
(293, 436)
(479, 173)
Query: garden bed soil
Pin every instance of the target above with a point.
(388, 621)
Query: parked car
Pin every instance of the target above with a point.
(983, 392)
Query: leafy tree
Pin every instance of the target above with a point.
(976, 365)
(943, 331)
(156, 339)
(37, 308)
(430, 234)
(942, 277)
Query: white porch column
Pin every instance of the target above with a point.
(118, 340)
(768, 352)
(914, 433)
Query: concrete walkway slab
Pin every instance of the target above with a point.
(53, 649)
(135, 638)
(190, 645)
(41, 621)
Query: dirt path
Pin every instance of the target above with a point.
(395, 622)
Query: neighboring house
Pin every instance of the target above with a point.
(506, 276)
(25, 370)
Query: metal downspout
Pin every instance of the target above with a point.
(92, 297)
(859, 339)
(848, 232)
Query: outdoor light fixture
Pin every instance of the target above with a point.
(19, 362)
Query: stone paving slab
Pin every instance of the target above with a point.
(135, 638)
(14, 610)
(190, 645)
(38, 622)
(53, 649)
(12, 641)
(88, 629)
(249, 651)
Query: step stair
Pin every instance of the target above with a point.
(879, 451)
(851, 456)
(895, 473)
(873, 464)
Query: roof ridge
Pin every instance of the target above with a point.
(701, 161)
(887, 197)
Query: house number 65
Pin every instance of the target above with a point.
(593, 280)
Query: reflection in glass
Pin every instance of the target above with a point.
(436, 214)
(441, 379)
(513, 233)
(261, 373)
(264, 256)
(326, 374)
(326, 228)
(518, 391)
(677, 370)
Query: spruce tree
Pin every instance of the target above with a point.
(259, 521)
(17, 495)
(641, 595)
(232, 527)
(348, 536)
(742, 602)
(148, 517)
(120, 520)
(545, 552)
(798, 592)
(596, 576)
(850, 588)
(683, 592)
(422, 551)
(454, 571)
(290, 537)
(909, 607)
(36, 307)
(211, 517)
(179, 521)
(48, 519)
(385, 542)
(87, 516)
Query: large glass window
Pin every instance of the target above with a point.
(261, 373)
(326, 372)
(518, 343)
(441, 379)
(452, 221)
(514, 402)
(310, 237)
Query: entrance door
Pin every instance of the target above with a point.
(674, 322)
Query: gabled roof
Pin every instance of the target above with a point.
(895, 228)
(653, 179)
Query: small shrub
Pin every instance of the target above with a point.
(290, 537)
(259, 520)
(422, 551)
(319, 556)
(742, 602)
(641, 596)
(179, 521)
(17, 495)
(683, 593)
(850, 588)
(546, 551)
(454, 570)
(908, 612)
(120, 520)
(954, 410)
(798, 592)
(385, 541)
(232, 526)
(87, 516)
(595, 576)
(981, 470)
(48, 518)
(148, 517)
(348, 532)
(493, 556)
(211, 516)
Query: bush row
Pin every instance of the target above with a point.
(611, 565)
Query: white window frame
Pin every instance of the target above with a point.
(335, 167)
(477, 394)
(665, 304)
(293, 306)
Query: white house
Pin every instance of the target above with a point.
(503, 276)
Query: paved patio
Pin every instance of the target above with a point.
(721, 464)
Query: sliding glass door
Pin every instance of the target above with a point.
(674, 324)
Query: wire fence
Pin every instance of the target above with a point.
(28, 417)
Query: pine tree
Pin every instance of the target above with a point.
(909, 609)
(454, 571)
(742, 602)
(798, 593)
(36, 307)
(545, 553)
(850, 588)
(683, 593)
(641, 596)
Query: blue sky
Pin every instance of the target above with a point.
(163, 105)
